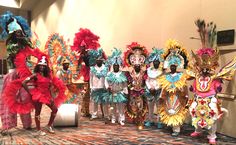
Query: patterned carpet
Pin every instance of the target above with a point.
(96, 132)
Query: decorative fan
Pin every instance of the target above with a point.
(57, 49)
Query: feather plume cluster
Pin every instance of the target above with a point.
(87, 38)
(207, 32)
(4, 21)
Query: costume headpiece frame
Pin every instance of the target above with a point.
(156, 54)
(115, 58)
(208, 55)
(135, 54)
(175, 54)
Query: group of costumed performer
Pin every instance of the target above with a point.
(116, 83)
(16, 32)
(134, 58)
(39, 87)
(205, 107)
(85, 41)
(173, 97)
(153, 88)
(99, 93)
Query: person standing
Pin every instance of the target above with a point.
(153, 88)
(174, 93)
(134, 57)
(116, 83)
(16, 31)
(99, 93)
(84, 41)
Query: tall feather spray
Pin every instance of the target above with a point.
(207, 32)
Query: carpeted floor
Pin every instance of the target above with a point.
(96, 132)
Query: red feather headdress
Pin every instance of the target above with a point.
(85, 38)
(21, 60)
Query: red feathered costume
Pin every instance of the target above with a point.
(84, 41)
(41, 90)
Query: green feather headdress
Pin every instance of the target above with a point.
(95, 55)
(155, 55)
(115, 58)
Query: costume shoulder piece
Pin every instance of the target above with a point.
(117, 79)
(228, 70)
(101, 73)
(172, 83)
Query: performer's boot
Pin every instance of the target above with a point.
(176, 131)
(26, 121)
(148, 123)
(122, 119)
(195, 134)
(51, 120)
(212, 141)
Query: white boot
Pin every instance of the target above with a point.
(122, 119)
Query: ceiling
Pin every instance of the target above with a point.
(19, 4)
(28, 4)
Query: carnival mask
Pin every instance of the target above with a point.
(137, 57)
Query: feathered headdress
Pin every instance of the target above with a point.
(24, 54)
(63, 59)
(10, 23)
(207, 33)
(95, 55)
(85, 38)
(207, 56)
(175, 55)
(115, 58)
(155, 55)
(135, 54)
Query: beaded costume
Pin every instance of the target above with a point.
(137, 104)
(174, 90)
(205, 107)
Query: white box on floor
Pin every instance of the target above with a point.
(67, 115)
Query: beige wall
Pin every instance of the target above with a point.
(149, 22)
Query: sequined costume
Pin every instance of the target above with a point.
(137, 105)
(174, 90)
(205, 107)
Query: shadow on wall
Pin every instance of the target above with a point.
(42, 5)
